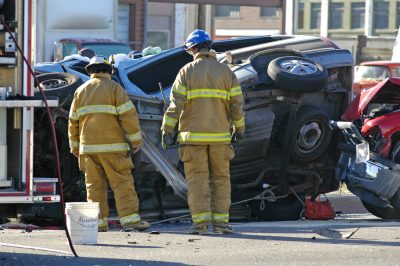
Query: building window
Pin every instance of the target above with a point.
(268, 11)
(158, 38)
(397, 14)
(300, 14)
(315, 15)
(227, 11)
(123, 23)
(381, 15)
(336, 15)
(357, 15)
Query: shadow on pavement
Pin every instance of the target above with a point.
(323, 234)
(17, 259)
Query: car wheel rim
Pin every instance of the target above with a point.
(299, 67)
(53, 83)
(309, 136)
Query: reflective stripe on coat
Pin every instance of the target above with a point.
(102, 118)
(205, 99)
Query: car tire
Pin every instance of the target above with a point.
(61, 85)
(395, 154)
(42, 214)
(73, 180)
(261, 60)
(286, 209)
(384, 213)
(297, 74)
(311, 134)
(395, 201)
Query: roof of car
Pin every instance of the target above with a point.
(90, 40)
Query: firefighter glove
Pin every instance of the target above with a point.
(167, 139)
(237, 137)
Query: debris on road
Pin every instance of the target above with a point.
(329, 233)
(351, 234)
(23, 226)
(334, 234)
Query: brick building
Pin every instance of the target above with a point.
(131, 22)
(166, 23)
(235, 20)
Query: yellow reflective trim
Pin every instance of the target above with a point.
(204, 137)
(114, 147)
(220, 217)
(239, 123)
(201, 217)
(235, 91)
(133, 218)
(179, 89)
(125, 107)
(73, 144)
(208, 93)
(93, 109)
(73, 115)
(170, 121)
(134, 137)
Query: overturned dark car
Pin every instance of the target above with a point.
(292, 86)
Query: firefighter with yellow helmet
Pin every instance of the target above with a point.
(205, 99)
(103, 127)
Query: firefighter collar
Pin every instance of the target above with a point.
(100, 75)
(205, 54)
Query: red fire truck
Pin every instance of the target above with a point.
(18, 186)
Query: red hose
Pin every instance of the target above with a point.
(53, 130)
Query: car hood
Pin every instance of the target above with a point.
(387, 121)
(386, 91)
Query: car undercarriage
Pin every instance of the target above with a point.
(291, 89)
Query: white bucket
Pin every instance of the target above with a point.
(82, 221)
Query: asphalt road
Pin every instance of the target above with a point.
(354, 237)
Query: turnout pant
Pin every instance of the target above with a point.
(208, 178)
(116, 168)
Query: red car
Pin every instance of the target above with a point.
(377, 112)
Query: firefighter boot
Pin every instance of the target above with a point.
(138, 226)
(199, 229)
(103, 225)
(222, 228)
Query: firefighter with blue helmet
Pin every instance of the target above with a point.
(206, 99)
(196, 38)
(103, 127)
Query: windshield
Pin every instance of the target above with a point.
(107, 49)
(372, 72)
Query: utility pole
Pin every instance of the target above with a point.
(201, 16)
(205, 18)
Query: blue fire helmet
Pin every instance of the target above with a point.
(197, 37)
